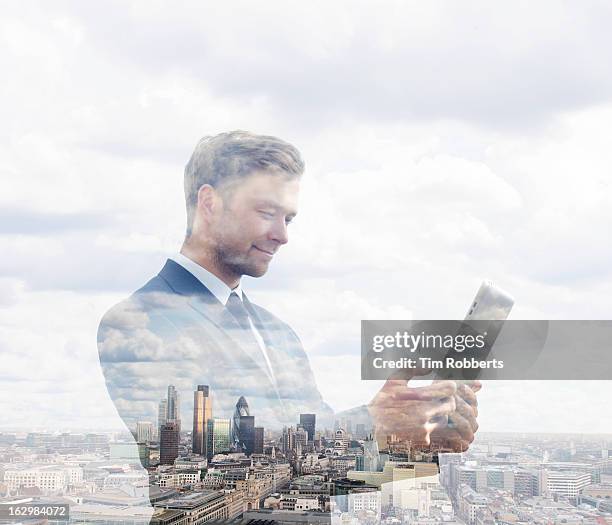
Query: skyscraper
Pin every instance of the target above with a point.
(242, 410)
(202, 412)
(301, 440)
(288, 439)
(308, 423)
(218, 436)
(246, 431)
(169, 442)
(258, 440)
(162, 413)
(174, 405)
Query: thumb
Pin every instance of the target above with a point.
(399, 389)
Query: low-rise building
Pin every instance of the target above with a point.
(199, 507)
(50, 479)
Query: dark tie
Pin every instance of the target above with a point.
(236, 307)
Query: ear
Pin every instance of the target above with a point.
(208, 201)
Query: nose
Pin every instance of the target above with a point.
(279, 232)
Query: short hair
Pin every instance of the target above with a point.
(232, 155)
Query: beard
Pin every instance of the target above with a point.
(238, 261)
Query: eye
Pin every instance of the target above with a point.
(266, 214)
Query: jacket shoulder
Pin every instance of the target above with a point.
(145, 309)
(274, 324)
(268, 317)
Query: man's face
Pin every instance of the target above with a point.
(251, 225)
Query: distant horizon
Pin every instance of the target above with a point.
(479, 435)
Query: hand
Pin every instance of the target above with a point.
(458, 434)
(412, 414)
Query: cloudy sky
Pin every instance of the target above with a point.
(445, 143)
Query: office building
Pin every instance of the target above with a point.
(288, 439)
(218, 436)
(566, 483)
(144, 431)
(242, 410)
(174, 404)
(246, 432)
(202, 412)
(301, 440)
(162, 413)
(308, 423)
(199, 507)
(341, 442)
(258, 440)
(169, 443)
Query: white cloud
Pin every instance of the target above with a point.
(444, 144)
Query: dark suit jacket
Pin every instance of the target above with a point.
(174, 331)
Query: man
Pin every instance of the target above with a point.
(193, 324)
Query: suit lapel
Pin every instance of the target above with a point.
(267, 331)
(200, 298)
(206, 304)
(270, 332)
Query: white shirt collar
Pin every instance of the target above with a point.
(216, 286)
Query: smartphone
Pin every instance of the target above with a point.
(491, 307)
(490, 304)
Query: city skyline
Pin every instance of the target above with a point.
(538, 477)
(444, 144)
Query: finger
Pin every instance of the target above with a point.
(475, 385)
(391, 384)
(440, 390)
(461, 426)
(437, 422)
(467, 412)
(467, 394)
(390, 389)
(442, 408)
(402, 375)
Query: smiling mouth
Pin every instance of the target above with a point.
(269, 254)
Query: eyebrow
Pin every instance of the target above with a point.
(272, 204)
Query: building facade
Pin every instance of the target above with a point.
(202, 412)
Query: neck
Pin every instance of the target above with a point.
(204, 257)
